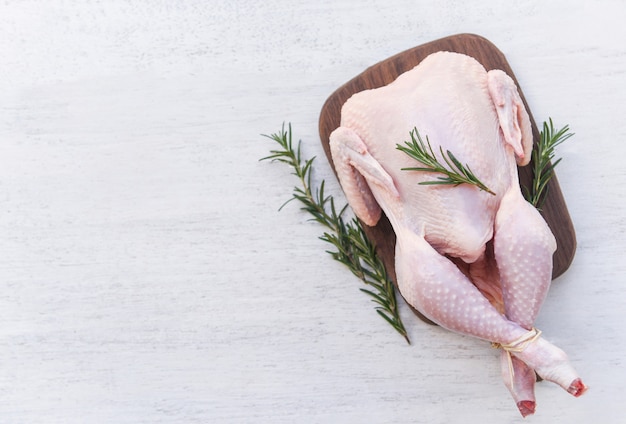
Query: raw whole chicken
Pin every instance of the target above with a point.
(472, 262)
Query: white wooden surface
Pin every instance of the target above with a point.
(146, 275)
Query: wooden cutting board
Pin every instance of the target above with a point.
(553, 210)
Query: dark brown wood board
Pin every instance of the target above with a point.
(554, 209)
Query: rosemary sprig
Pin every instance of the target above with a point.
(455, 172)
(542, 156)
(353, 248)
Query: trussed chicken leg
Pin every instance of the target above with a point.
(479, 116)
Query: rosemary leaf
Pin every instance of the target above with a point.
(543, 164)
(455, 172)
(386, 317)
(353, 248)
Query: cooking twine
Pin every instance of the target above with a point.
(516, 346)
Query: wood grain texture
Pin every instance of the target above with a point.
(554, 209)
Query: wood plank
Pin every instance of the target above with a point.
(554, 210)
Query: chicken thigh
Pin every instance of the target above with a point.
(503, 242)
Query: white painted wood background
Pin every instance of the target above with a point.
(146, 274)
